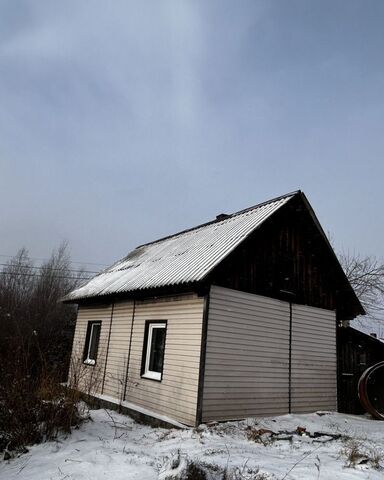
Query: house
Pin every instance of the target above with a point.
(230, 319)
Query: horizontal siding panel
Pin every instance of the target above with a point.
(244, 412)
(263, 392)
(182, 362)
(316, 403)
(321, 337)
(247, 357)
(235, 299)
(166, 405)
(169, 388)
(229, 411)
(269, 316)
(248, 311)
(328, 377)
(252, 353)
(176, 395)
(228, 360)
(91, 376)
(226, 320)
(266, 331)
(324, 338)
(322, 388)
(314, 382)
(247, 385)
(246, 369)
(223, 336)
(272, 369)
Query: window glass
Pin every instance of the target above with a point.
(92, 342)
(153, 349)
(157, 350)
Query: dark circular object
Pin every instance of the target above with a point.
(363, 391)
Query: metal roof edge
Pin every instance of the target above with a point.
(139, 293)
(210, 222)
(376, 340)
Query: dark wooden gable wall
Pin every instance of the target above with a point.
(289, 253)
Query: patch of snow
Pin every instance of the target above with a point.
(113, 446)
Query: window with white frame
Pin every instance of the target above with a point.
(92, 343)
(153, 349)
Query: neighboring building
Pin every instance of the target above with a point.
(233, 318)
(357, 351)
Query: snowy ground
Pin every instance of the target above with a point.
(113, 446)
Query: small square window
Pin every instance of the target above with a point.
(153, 350)
(92, 343)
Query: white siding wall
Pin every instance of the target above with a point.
(176, 395)
(90, 377)
(314, 370)
(116, 368)
(247, 357)
(246, 366)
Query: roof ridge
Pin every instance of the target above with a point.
(216, 220)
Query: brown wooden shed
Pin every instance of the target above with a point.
(356, 352)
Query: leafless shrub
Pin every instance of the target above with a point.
(259, 435)
(179, 467)
(245, 473)
(35, 409)
(353, 452)
(35, 344)
(84, 378)
(376, 459)
(194, 472)
(357, 453)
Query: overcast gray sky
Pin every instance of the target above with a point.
(121, 121)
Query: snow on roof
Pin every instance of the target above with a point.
(182, 258)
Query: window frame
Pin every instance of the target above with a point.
(146, 373)
(88, 343)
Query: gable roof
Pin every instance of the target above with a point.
(185, 257)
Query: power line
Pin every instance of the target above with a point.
(45, 259)
(45, 268)
(40, 275)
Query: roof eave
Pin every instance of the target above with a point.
(199, 287)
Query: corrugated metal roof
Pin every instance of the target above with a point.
(181, 258)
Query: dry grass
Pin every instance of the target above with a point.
(36, 407)
(35, 410)
(259, 435)
(358, 453)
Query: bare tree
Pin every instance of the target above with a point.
(35, 346)
(366, 275)
(33, 321)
